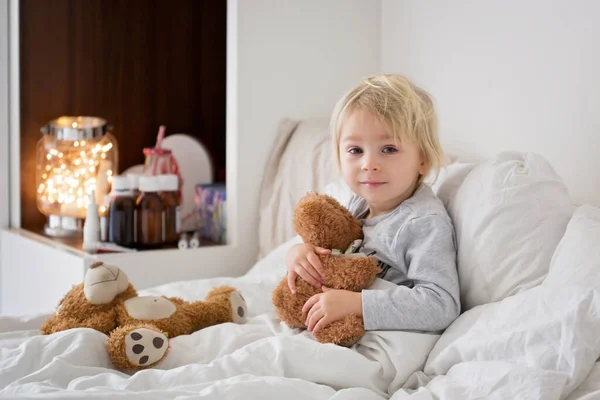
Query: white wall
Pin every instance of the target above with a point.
(507, 75)
(295, 58)
(4, 122)
(14, 113)
(4, 117)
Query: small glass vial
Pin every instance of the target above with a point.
(169, 193)
(121, 213)
(103, 213)
(150, 214)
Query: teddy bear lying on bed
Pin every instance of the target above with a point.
(322, 221)
(139, 327)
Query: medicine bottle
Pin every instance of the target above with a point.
(169, 193)
(150, 213)
(134, 182)
(121, 211)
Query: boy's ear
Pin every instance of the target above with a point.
(424, 166)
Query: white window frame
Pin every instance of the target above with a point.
(10, 204)
(4, 117)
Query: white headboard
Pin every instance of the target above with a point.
(507, 76)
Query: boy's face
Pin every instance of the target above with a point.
(376, 168)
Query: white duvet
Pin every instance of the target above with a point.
(262, 358)
(541, 343)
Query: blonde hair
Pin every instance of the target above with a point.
(406, 110)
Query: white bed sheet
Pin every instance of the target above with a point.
(590, 388)
(540, 344)
(260, 359)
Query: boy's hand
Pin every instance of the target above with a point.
(329, 306)
(302, 259)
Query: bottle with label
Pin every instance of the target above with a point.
(134, 182)
(121, 213)
(169, 193)
(150, 213)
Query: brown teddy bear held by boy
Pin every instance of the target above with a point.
(139, 328)
(322, 221)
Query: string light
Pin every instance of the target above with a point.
(71, 172)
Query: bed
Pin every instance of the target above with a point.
(528, 261)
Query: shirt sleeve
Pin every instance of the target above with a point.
(431, 301)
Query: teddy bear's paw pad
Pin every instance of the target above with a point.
(144, 346)
(239, 308)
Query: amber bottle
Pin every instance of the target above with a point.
(169, 193)
(149, 213)
(121, 211)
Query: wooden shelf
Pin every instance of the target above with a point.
(76, 243)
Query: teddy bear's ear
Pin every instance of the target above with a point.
(322, 221)
(103, 282)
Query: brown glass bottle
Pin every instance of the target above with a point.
(149, 214)
(134, 184)
(169, 186)
(121, 211)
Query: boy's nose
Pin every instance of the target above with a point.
(370, 165)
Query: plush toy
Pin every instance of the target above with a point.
(324, 222)
(139, 327)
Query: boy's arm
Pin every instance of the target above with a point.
(433, 301)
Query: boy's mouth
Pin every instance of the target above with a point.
(372, 184)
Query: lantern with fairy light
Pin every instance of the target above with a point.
(75, 156)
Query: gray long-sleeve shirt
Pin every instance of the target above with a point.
(416, 247)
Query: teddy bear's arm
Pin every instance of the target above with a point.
(103, 322)
(349, 273)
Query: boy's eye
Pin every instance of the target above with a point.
(354, 150)
(389, 149)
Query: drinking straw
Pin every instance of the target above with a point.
(159, 139)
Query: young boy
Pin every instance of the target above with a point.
(385, 137)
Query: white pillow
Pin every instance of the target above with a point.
(509, 214)
(449, 180)
(546, 330)
(301, 160)
(577, 257)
